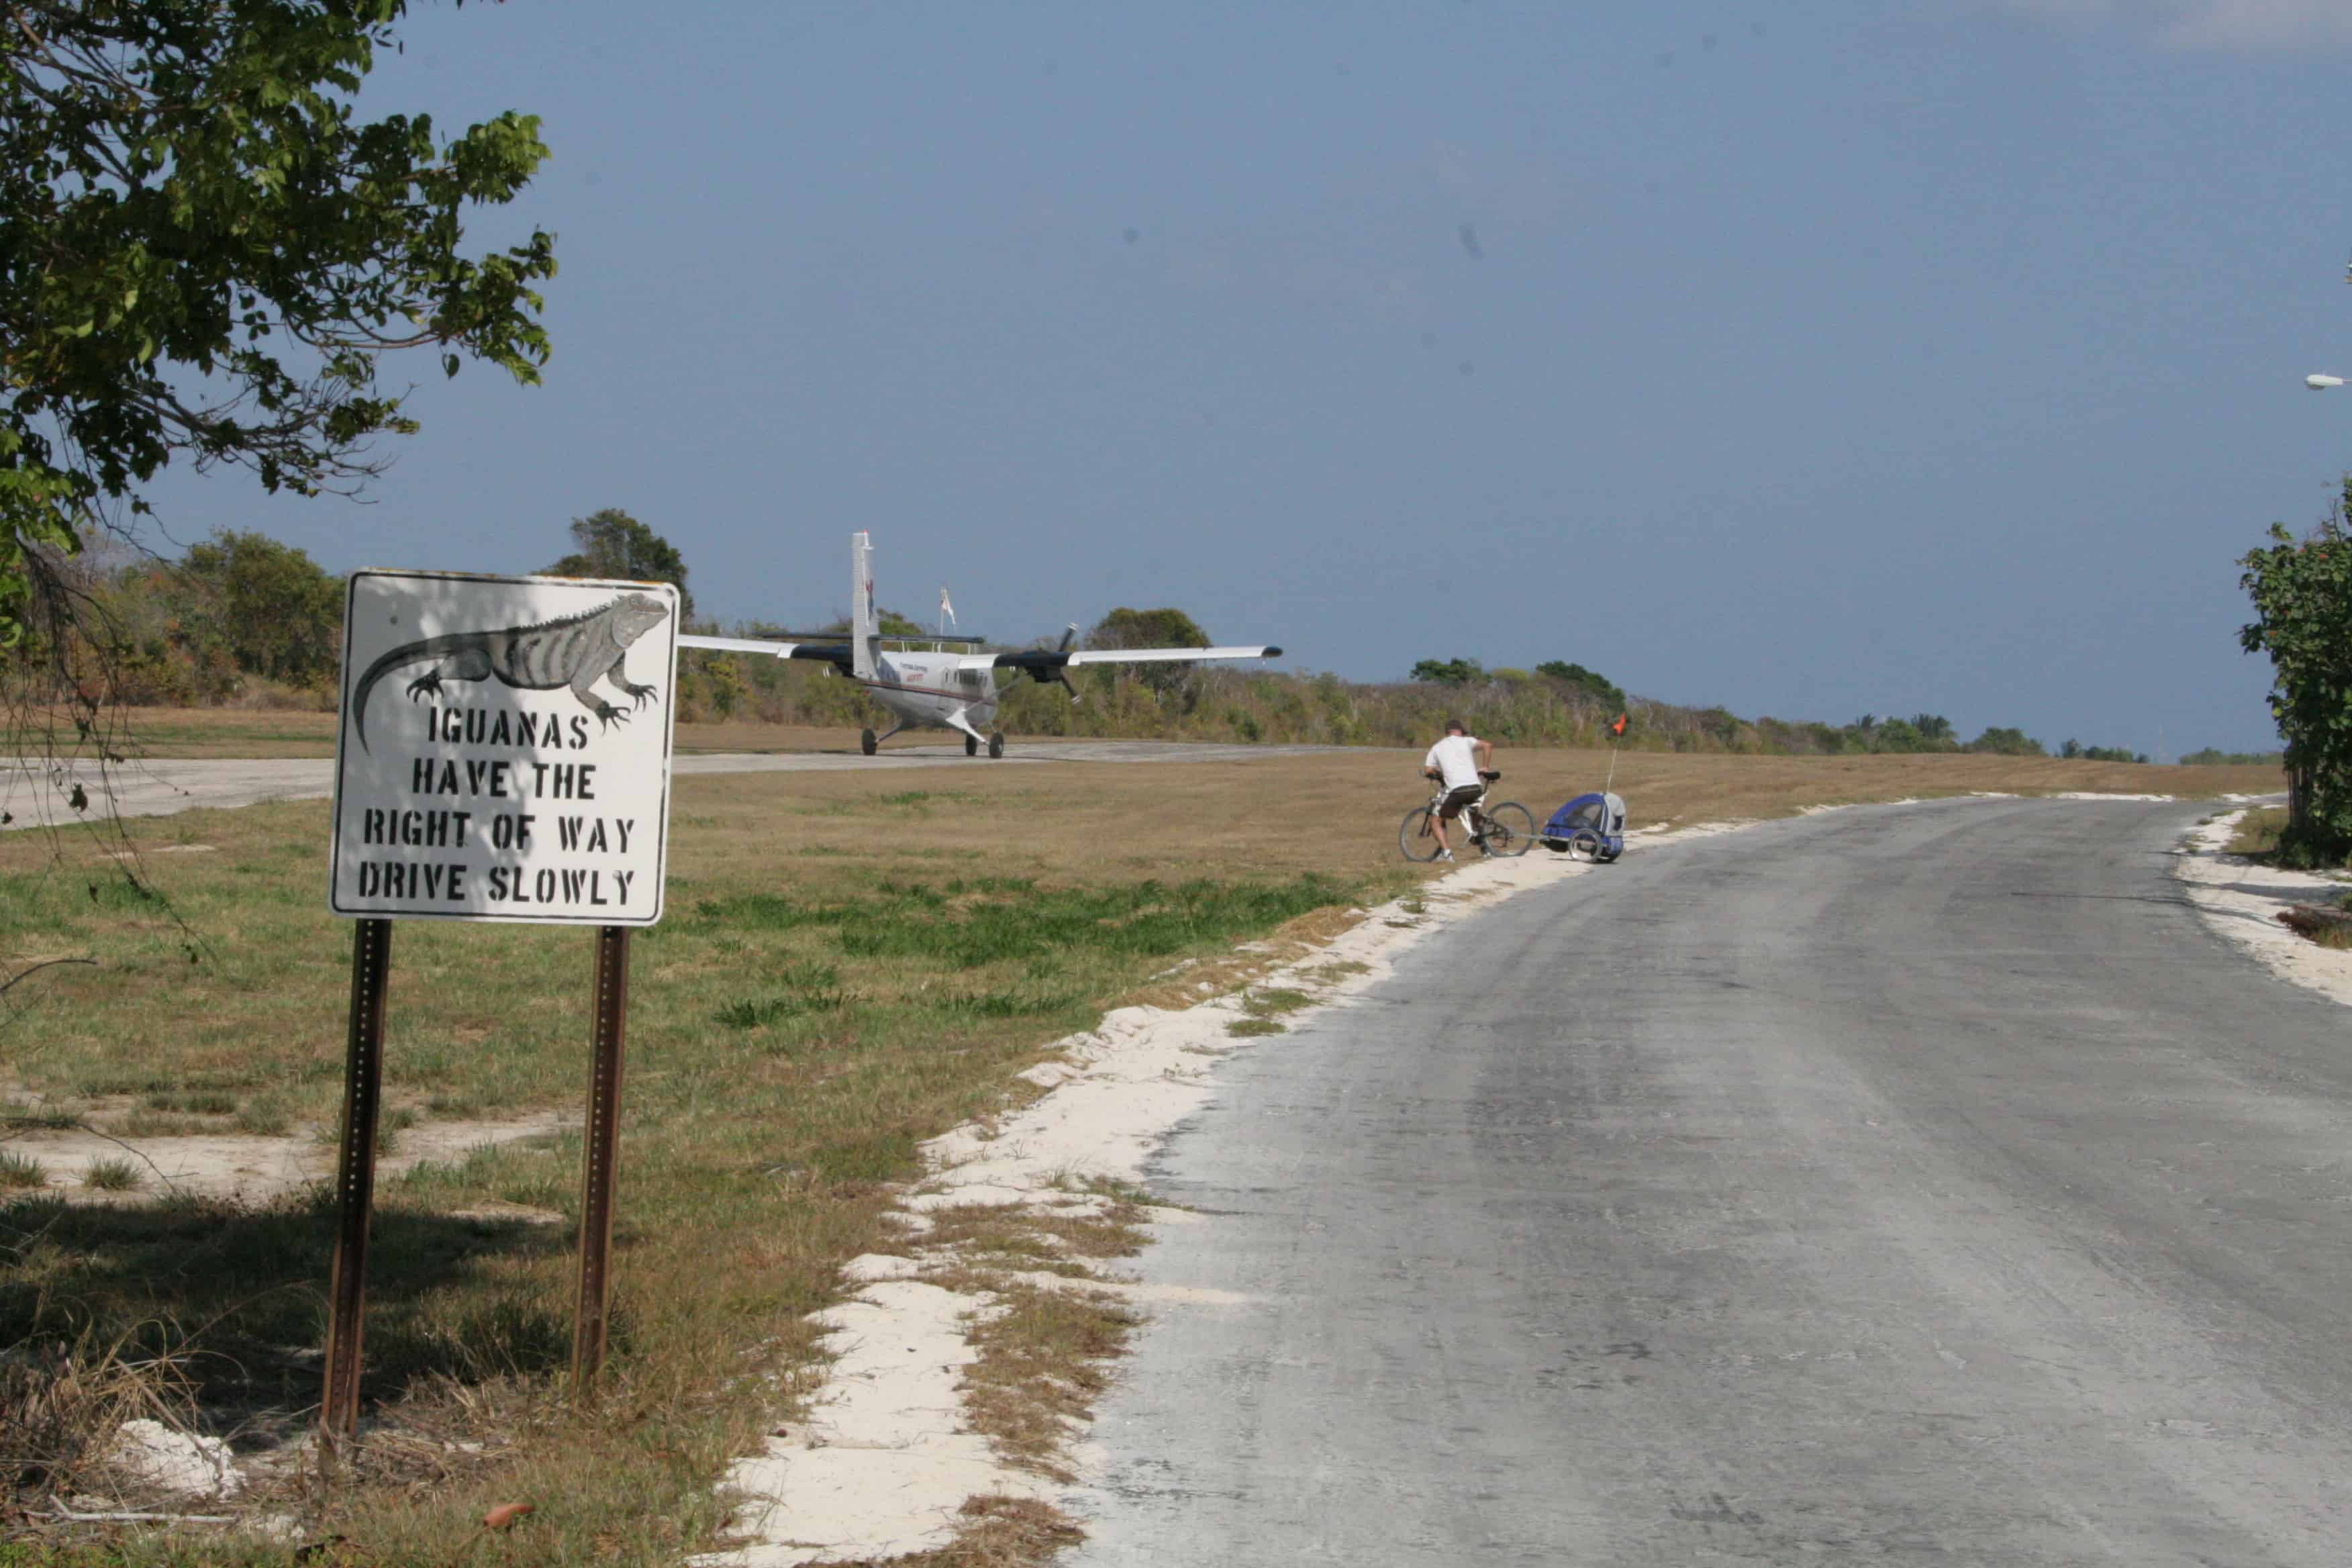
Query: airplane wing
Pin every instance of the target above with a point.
(822, 652)
(1047, 663)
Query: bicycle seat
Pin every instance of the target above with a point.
(1489, 775)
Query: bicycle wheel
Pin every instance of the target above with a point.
(1415, 838)
(1510, 829)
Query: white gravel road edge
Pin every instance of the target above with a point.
(2241, 901)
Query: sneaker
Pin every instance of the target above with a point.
(1445, 855)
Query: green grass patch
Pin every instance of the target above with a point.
(807, 988)
(18, 1171)
(1249, 1026)
(969, 930)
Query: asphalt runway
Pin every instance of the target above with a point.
(33, 795)
(1902, 1184)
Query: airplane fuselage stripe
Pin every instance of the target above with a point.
(966, 698)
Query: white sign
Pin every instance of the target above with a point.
(505, 749)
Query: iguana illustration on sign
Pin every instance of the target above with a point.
(576, 651)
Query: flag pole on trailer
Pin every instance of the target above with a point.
(1616, 732)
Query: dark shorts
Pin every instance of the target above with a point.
(1456, 798)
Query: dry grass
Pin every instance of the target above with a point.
(1046, 1332)
(62, 1402)
(1044, 1355)
(852, 963)
(994, 1532)
(2258, 831)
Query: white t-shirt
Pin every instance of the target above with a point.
(1455, 757)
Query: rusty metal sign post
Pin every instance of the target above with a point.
(600, 1168)
(355, 1177)
(507, 787)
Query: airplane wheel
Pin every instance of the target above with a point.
(996, 745)
(866, 742)
(971, 744)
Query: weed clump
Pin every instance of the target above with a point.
(1273, 1000)
(810, 988)
(112, 1174)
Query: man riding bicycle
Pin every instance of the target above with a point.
(1458, 761)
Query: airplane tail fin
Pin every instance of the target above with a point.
(864, 631)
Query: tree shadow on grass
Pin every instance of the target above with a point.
(237, 1296)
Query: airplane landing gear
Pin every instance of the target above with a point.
(971, 744)
(996, 745)
(866, 742)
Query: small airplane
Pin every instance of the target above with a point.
(941, 689)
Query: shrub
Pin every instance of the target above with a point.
(2302, 594)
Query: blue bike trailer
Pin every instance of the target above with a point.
(1592, 826)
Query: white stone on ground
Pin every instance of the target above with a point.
(155, 1455)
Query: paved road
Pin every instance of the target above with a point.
(33, 795)
(1918, 1184)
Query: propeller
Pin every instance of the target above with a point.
(1062, 676)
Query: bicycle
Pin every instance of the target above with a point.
(1504, 830)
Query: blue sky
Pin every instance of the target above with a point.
(1808, 357)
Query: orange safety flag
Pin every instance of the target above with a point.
(1619, 727)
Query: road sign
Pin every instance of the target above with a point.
(505, 749)
(504, 755)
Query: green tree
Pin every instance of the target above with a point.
(2007, 744)
(204, 252)
(1147, 628)
(278, 612)
(2302, 594)
(1450, 671)
(1124, 627)
(1935, 731)
(1897, 736)
(1591, 682)
(612, 543)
